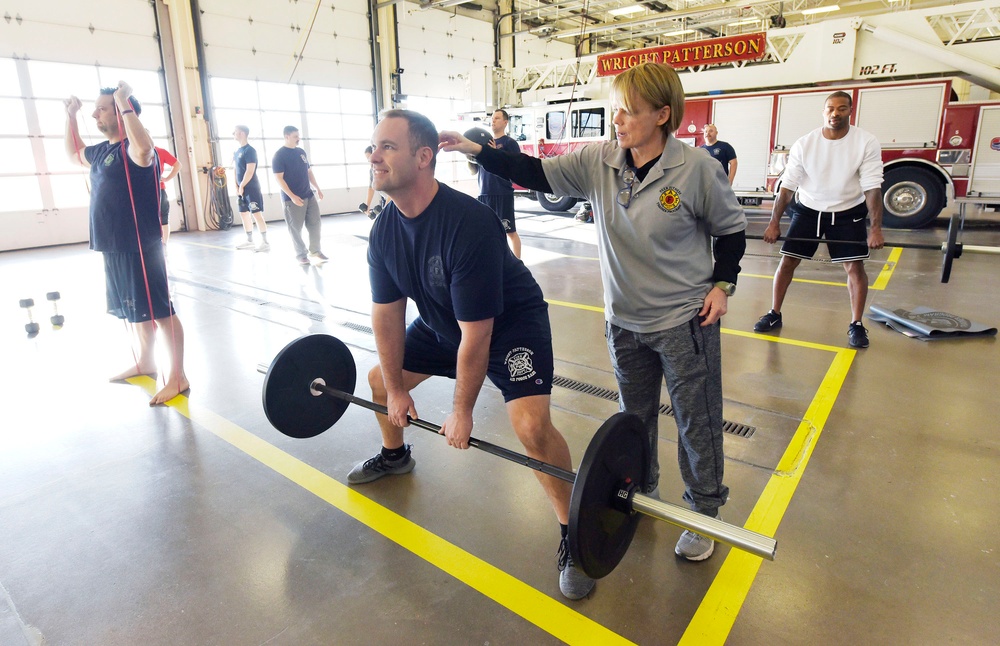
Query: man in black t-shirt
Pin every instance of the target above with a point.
(481, 315)
(291, 169)
(125, 228)
(248, 194)
(497, 192)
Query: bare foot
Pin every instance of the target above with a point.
(173, 388)
(135, 371)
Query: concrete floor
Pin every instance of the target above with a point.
(198, 523)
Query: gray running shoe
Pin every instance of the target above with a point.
(263, 247)
(318, 257)
(694, 547)
(245, 245)
(573, 583)
(376, 467)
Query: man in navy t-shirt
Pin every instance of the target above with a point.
(721, 151)
(481, 315)
(248, 193)
(125, 228)
(291, 169)
(497, 192)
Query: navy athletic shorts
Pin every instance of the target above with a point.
(521, 362)
(251, 201)
(126, 282)
(503, 206)
(845, 233)
(164, 208)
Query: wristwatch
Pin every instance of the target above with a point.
(728, 288)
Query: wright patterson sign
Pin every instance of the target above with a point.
(746, 47)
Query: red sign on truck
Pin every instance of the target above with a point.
(702, 52)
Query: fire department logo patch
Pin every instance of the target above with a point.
(670, 199)
(519, 364)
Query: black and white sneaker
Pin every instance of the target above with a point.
(768, 322)
(857, 335)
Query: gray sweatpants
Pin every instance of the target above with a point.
(295, 216)
(690, 358)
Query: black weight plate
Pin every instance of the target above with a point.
(289, 404)
(600, 533)
(951, 249)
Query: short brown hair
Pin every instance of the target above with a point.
(655, 83)
(423, 134)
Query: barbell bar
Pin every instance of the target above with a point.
(310, 383)
(951, 247)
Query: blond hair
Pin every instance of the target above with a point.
(655, 83)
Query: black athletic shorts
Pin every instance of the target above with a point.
(845, 233)
(164, 207)
(503, 206)
(125, 282)
(251, 201)
(521, 362)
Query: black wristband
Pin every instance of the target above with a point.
(124, 112)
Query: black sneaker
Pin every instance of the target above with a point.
(857, 335)
(768, 322)
(573, 583)
(376, 467)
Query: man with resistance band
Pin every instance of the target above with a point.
(125, 227)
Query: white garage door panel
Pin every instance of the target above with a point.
(58, 43)
(313, 72)
(798, 114)
(746, 124)
(121, 16)
(277, 13)
(986, 164)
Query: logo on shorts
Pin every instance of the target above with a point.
(110, 159)
(519, 364)
(435, 272)
(670, 199)
(254, 206)
(506, 225)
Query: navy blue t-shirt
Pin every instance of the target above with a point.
(723, 152)
(490, 184)
(243, 156)
(112, 221)
(293, 163)
(453, 262)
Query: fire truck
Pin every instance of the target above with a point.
(918, 80)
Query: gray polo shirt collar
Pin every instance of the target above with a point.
(671, 157)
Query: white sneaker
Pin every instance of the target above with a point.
(694, 547)
(263, 247)
(245, 245)
(318, 257)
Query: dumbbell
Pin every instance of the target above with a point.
(374, 211)
(57, 319)
(30, 327)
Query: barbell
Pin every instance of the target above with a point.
(951, 247)
(310, 384)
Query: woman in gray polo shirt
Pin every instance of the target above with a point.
(658, 205)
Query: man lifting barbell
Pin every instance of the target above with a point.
(481, 314)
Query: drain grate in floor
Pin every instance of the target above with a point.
(733, 428)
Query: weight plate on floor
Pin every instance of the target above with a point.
(289, 404)
(600, 532)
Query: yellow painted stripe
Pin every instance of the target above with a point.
(890, 265)
(795, 280)
(541, 610)
(714, 619)
(589, 308)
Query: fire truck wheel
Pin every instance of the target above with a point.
(551, 202)
(913, 198)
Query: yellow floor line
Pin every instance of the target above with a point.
(589, 308)
(541, 610)
(794, 280)
(714, 619)
(890, 265)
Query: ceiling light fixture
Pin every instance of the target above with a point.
(626, 11)
(748, 21)
(679, 32)
(815, 10)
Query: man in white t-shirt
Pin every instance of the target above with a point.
(832, 181)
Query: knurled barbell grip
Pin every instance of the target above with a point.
(482, 445)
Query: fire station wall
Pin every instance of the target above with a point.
(53, 49)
